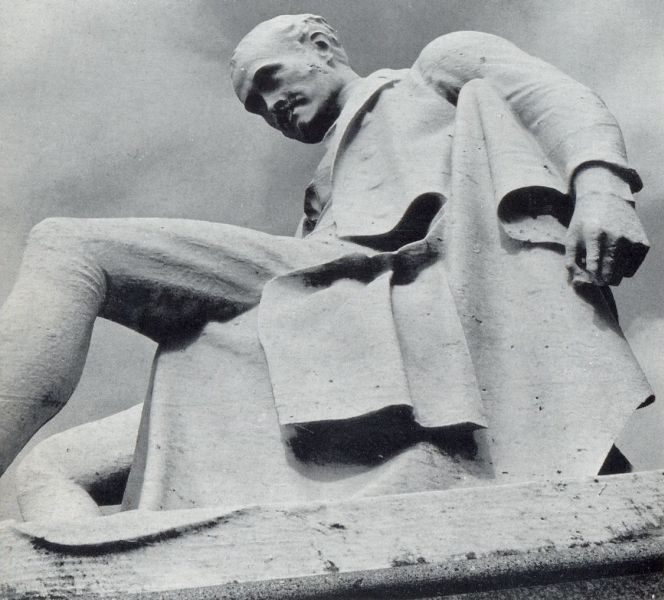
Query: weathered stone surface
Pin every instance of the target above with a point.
(462, 317)
(211, 437)
(497, 136)
(424, 544)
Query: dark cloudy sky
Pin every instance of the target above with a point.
(124, 108)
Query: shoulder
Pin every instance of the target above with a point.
(451, 60)
(464, 45)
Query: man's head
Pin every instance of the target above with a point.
(291, 70)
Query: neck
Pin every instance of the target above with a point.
(350, 79)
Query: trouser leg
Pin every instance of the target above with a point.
(157, 276)
(45, 328)
(68, 474)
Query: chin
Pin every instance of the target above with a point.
(306, 134)
(314, 131)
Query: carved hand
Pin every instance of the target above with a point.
(605, 239)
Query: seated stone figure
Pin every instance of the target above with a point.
(442, 318)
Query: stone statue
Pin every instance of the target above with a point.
(442, 317)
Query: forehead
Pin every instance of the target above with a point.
(255, 51)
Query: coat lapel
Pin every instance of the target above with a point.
(366, 91)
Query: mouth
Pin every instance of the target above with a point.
(286, 118)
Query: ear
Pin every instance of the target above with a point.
(321, 45)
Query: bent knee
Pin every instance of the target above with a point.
(61, 246)
(59, 233)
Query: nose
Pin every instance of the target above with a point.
(276, 104)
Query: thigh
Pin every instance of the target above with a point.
(165, 277)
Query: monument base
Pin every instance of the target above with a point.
(597, 537)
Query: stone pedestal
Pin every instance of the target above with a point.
(599, 537)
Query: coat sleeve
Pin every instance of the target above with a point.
(571, 123)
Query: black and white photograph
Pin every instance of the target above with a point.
(331, 299)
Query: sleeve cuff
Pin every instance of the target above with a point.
(626, 173)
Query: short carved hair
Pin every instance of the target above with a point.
(292, 31)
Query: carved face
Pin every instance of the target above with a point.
(295, 92)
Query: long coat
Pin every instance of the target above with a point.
(453, 178)
(436, 294)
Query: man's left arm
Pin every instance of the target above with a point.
(605, 240)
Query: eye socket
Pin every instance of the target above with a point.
(265, 79)
(254, 104)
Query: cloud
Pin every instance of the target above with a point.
(123, 108)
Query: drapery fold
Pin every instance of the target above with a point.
(475, 324)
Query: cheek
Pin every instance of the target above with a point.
(318, 90)
(314, 105)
